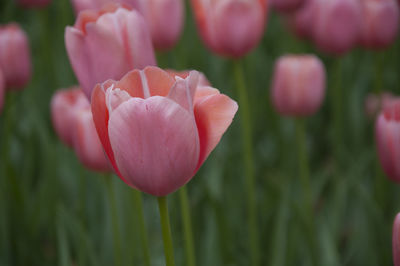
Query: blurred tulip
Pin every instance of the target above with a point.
(337, 25)
(64, 104)
(287, 5)
(298, 86)
(15, 59)
(203, 81)
(387, 129)
(301, 21)
(33, 3)
(165, 19)
(73, 122)
(107, 44)
(396, 240)
(374, 103)
(87, 143)
(380, 22)
(230, 27)
(156, 130)
(2, 90)
(81, 5)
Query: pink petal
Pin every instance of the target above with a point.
(184, 90)
(155, 143)
(213, 115)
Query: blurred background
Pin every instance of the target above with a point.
(53, 211)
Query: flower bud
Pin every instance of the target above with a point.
(15, 59)
(298, 86)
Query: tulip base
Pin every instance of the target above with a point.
(166, 231)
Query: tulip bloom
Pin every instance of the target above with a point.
(15, 59)
(230, 27)
(380, 23)
(396, 240)
(33, 3)
(81, 5)
(203, 81)
(156, 130)
(374, 103)
(287, 5)
(337, 25)
(301, 21)
(107, 44)
(73, 123)
(387, 128)
(298, 86)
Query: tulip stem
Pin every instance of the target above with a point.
(337, 110)
(114, 220)
(247, 146)
(166, 231)
(137, 195)
(187, 227)
(306, 188)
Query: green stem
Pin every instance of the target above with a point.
(137, 195)
(114, 220)
(166, 231)
(306, 188)
(245, 118)
(187, 227)
(336, 105)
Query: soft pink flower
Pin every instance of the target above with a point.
(230, 27)
(203, 81)
(380, 23)
(396, 240)
(387, 135)
(107, 44)
(33, 3)
(15, 59)
(298, 86)
(287, 5)
(301, 21)
(73, 122)
(337, 25)
(374, 103)
(156, 130)
(81, 5)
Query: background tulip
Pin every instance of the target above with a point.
(107, 44)
(396, 240)
(87, 143)
(33, 3)
(224, 25)
(298, 86)
(156, 130)
(64, 104)
(15, 60)
(337, 25)
(380, 22)
(80, 5)
(287, 5)
(302, 19)
(374, 103)
(387, 128)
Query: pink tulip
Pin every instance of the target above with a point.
(380, 23)
(156, 130)
(15, 59)
(387, 129)
(73, 123)
(396, 240)
(63, 107)
(230, 27)
(33, 3)
(337, 25)
(87, 144)
(374, 104)
(81, 5)
(298, 86)
(203, 81)
(107, 44)
(165, 19)
(2, 90)
(301, 21)
(287, 5)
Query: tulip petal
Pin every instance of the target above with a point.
(213, 116)
(101, 120)
(155, 142)
(184, 90)
(159, 81)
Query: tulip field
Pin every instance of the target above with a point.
(281, 147)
